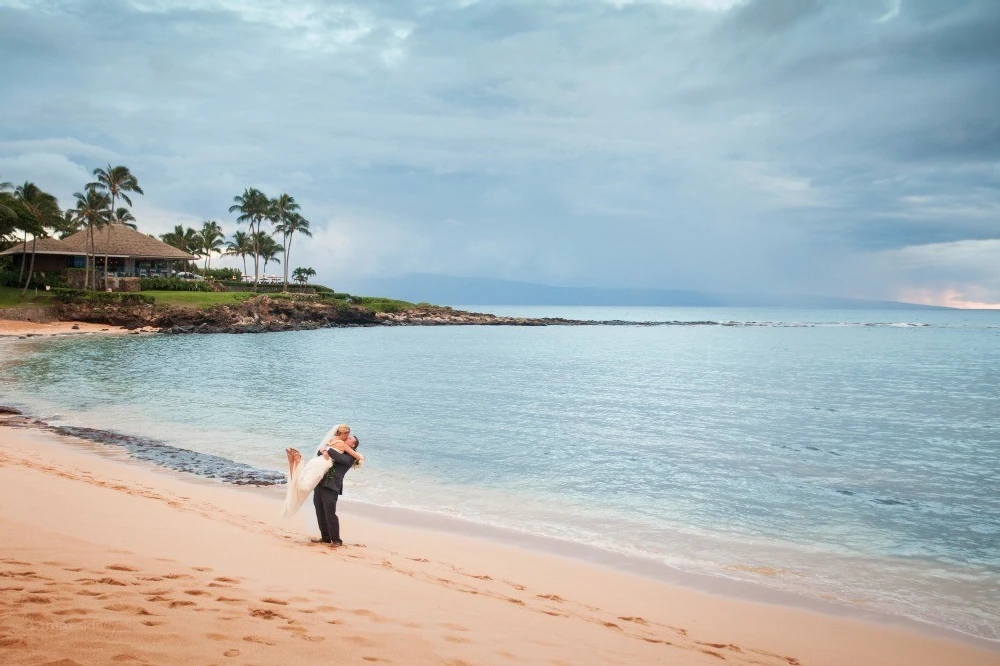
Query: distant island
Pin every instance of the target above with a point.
(461, 291)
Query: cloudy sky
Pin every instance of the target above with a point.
(839, 147)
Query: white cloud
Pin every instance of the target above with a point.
(957, 274)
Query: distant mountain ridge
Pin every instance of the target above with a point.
(449, 290)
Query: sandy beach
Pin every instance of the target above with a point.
(12, 327)
(110, 561)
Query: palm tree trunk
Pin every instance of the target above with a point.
(244, 255)
(24, 252)
(88, 265)
(284, 256)
(31, 270)
(107, 247)
(256, 259)
(93, 260)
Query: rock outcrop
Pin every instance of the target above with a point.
(269, 314)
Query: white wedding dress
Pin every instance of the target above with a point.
(304, 476)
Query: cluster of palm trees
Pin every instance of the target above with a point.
(254, 208)
(28, 210)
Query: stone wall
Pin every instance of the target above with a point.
(36, 313)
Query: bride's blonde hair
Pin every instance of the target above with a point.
(331, 433)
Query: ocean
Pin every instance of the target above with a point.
(850, 456)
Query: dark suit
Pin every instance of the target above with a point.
(325, 496)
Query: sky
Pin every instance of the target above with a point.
(841, 148)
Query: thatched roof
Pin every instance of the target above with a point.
(124, 242)
(44, 246)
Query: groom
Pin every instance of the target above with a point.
(329, 489)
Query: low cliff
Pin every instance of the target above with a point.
(263, 314)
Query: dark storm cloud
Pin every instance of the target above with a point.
(676, 144)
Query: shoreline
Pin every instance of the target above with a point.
(391, 524)
(16, 328)
(634, 565)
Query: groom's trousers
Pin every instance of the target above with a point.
(325, 501)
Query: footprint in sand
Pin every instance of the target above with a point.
(109, 581)
(224, 579)
(178, 604)
(258, 639)
(271, 600)
(120, 567)
(364, 612)
(125, 608)
(633, 618)
(196, 593)
(722, 646)
(229, 600)
(551, 597)
(34, 599)
(231, 653)
(266, 614)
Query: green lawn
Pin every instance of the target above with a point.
(11, 297)
(197, 299)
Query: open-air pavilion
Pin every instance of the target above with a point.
(130, 253)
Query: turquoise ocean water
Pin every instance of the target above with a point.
(851, 456)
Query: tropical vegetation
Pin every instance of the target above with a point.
(271, 225)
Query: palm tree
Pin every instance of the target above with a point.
(282, 209)
(185, 240)
(116, 181)
(8, 216)
(288, 227)
(124, 217)
(93, 209)
(302, 275)
(254, 207)
(38, 210)
(268, 248)
(70, 224)
(240, 246)
(210, 239)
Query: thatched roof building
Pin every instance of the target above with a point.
(129, 252)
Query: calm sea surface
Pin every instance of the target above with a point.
(844, 455)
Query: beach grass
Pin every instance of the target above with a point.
(198, 299)
(11, 297)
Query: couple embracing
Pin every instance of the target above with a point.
(323, 476)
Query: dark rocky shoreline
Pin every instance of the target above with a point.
(154, 451)
(268, 314)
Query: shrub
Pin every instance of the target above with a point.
(222, 274)
(8, 274)
(379, 304)
(172, 284)
(101, 298)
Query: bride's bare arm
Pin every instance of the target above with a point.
(347, 449)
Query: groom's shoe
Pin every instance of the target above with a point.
(336, 544)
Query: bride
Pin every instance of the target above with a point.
(304, 477)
